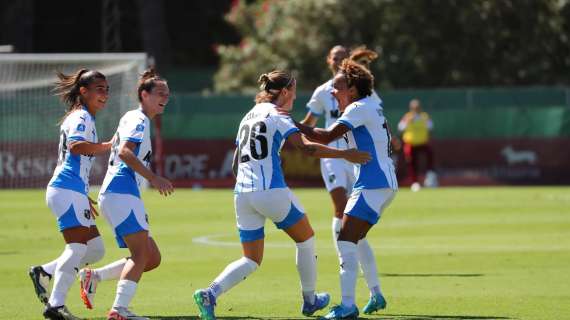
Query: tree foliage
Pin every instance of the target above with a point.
(426, 43)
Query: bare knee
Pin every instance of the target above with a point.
(153, 261)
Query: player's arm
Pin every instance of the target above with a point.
(324, 136)
(87, 148)
(321, 151)
(127, 155)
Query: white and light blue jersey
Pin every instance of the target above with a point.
(322, 102)
(134, 126)
(369, 132)
(72, 171)
(260, 138)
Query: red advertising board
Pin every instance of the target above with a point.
(207, 163)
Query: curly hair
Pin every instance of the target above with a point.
(358, 76)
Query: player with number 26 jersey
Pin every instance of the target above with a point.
(261, 135)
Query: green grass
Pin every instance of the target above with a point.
(461, 253)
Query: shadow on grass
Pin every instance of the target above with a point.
(193, 317)
(465, 275)
(376, 317)
(434, 317)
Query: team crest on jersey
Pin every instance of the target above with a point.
(81, 127)
(332, 178)
(139, 128)
(87, 214)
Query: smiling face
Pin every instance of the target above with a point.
(155, 101)
(343, 94)
(95, 95)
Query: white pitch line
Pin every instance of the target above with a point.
(387, 248)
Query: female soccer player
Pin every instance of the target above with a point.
(120, 200)
(85, 93)
(375, 184)
(338, 174)
(261, 192)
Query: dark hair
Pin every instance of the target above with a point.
(271, 85)
(67, 87)
(148, 81)
(358, 76)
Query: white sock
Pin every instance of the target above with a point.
(368, 265)
(348, 271)
(50, 267)
(336, 225)
(111, 271)
(95, 252)
(65, 272)
(125, 292)
(233, 274)
(306, 262)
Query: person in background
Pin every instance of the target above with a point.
(416, 126)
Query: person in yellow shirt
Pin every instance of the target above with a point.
(416, 126)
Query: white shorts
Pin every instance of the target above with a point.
(71, 208)
(279, 205)
(125, 213)
(368, 204)
(337, 173)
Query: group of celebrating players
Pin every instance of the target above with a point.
(358, 172)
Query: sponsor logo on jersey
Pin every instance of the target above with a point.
(332, 178)
(81, 127)
(139, 128)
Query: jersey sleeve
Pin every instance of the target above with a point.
(353, 117)
(132, 129)
(315, 105)
(285, 126)
(79, 124)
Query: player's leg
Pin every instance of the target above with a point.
(250, 226)
(285, 210)
(335, 177)
(140, 250)
(72, 211)
(357, 220)
(87, 280)
(380, 198)
(127, 216)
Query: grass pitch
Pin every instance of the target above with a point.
(450, 253)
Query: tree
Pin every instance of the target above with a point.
(428, 43)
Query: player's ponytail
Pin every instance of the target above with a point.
(271, 85)
(67, 87)
(363, 56)
(148, 81)
(358, 76)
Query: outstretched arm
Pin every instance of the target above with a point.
(321, 151)
(325, 136)
(87, 148)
